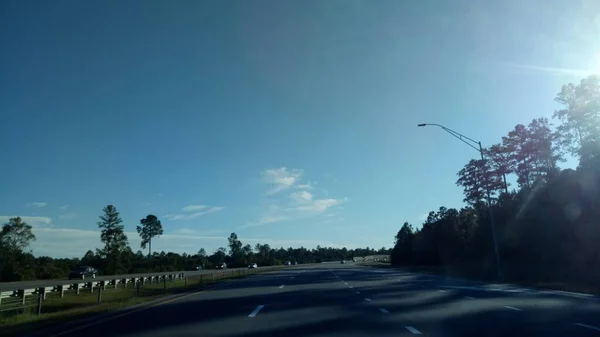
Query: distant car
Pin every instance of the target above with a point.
(287, 263)
(353, 260)
(222, 266)
(252, 266)
(294, 263)
(82, 273)
(343, 262)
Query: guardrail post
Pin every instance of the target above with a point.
(185, 281)
(21, 293)
(77, 288)
(42, 291)
(139, 284)
(91, 287)
(39, 304)
(61, 290)
(165, 282)
(100, 295)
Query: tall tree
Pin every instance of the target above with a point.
(113, 236)
(501, 162)
(403, 247)
(580, 117)
(150, 228)
(16, 235)
(476, 178)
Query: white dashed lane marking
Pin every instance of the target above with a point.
(512, 308)
(255, 312)
(413, 330)
(384, 311)
(587, 326)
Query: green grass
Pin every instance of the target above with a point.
(56, 310)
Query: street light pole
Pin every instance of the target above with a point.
(479, 148)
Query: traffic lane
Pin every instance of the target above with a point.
(326, 309)
(462, 312)
(221, 308)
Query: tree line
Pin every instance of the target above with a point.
(17, 262)
(547, 226)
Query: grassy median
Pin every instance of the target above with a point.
(17, 319)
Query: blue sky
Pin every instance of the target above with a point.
(289, 123)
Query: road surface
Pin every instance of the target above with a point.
(350, 300)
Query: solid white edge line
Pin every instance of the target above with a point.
(413, 330)
(587, 326)
(384, 311)
(367, 299)
(469, 297)
(255, 312)
(281, 286)
(512, 308)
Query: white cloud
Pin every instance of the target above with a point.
(307, 186)
(35, 221)
(307, 208)
(190, 216)
(301, 197)
(64, 207)
(38, 204)
(281, 178)
(69, 242)
(193, 208)
(265, 220)
(319, 205)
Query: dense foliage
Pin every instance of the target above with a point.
(117, 257)
(548, 227)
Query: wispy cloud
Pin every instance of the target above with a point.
(192, 212)
(35, 221)
(301, 197)
(303, 206)
(38, 204)
(194, 208)
(63, 207)
(307, 186)
(281, 178)
(318, 205)
(266, 219)
(547, 70)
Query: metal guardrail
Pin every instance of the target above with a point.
(20, 295)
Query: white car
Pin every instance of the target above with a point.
(253, 266)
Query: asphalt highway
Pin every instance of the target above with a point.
(351, 300)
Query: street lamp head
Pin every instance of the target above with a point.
(422, 124)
